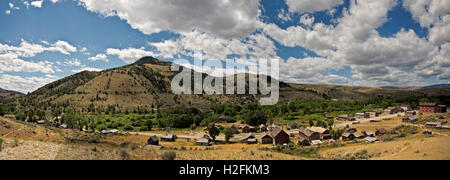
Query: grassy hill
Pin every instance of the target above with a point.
(146, 84)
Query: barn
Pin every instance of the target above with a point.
(348, 136)
(250, 139)
(303, 142)
(263, 128)
(234, 129)
(266, 139)
(308, 134)
(169, 137)
(204, 141)
(280, 137)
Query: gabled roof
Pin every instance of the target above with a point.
(347, 134)
(276, 131)
(306, 131)
(320, 130)
(169, 136)
(265, 135)
(249, 136)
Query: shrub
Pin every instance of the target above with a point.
(169, 155)
(1, 142)
(124, 155)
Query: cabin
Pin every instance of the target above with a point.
(234, 129)
(359, 115)
(348, 136)
(432, 124)
(393, 110)
(410, 119)
(308, 134)
(443, 127)
(249, 139)
(292, 125)
(279, 136)
(370, 139)
(381, 131)
(358, 136)
(272, 127)
(351, 130)
(342, 118)
(303, 142)
(378, 113)
(410, 113)
(204, 141)
(169, 137)
(266, 139)
(371, 114)
(368, 133)
(153, 141)
(432, 108)
(248, 129)
(10, 116)
(324, 133)
(405, 108)
(263, 128)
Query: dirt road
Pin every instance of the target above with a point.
(368, 120)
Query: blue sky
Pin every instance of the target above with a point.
(319, 42)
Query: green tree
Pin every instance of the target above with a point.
(149, 124)
(330, 122)
(311, 123)
(255, 118)
(213, 131)
(228, 134)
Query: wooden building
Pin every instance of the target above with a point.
(204, 141)
(432, 108)
(348, 136)
(279, 136)
(324, 133)
(381, 131)
(432, 124)
(169, 137)
(410, 119)
(303, 142)
(234, 129)
(263, 128)
(153, 141)
(250, 139)
(266, 139)
(292, 125)
(308, 134)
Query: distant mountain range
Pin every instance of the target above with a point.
(438, 86)
(147, 83)
(417, 87)
(5, 93)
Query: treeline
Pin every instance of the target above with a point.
(7, 109)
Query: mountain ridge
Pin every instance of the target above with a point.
(146, 84)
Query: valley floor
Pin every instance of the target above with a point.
(30, 142)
